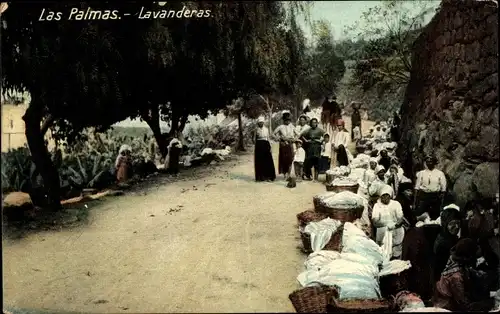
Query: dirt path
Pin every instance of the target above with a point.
(218, 244)
(222, 243)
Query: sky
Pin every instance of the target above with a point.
(342, 14)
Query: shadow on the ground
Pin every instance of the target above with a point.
(77, 214)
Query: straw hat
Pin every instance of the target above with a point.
(261, 119)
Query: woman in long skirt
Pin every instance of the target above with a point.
(286, 134)
(264, 164)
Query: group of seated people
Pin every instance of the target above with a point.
(454, 256)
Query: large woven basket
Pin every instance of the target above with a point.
(390, 285)
(344, 215)
(335, 243)
(341, 188)
(358, 306)
(310, 216)
(313, 299)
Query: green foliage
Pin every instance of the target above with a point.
(16, 169)
(385, 35)
(322, 68)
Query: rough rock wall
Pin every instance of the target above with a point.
(454, 90)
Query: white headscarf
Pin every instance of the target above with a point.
(452, 206)
(374, 159)
(379, 168)
(123, 148)
(387, 190)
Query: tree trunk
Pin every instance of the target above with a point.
(153, 121)
(241, 143)
(41, 157)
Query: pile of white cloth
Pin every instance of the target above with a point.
(321, 232)
(345, 200)
(341, 171)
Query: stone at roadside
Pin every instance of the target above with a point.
(17, 199)
(485, 179)
(463, 190)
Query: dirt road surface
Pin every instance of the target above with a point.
(220, 243)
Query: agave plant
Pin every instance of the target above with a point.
(85, 172)
(16, 169)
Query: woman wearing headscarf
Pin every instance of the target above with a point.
(446, 239)
(384, 159)
(376, 186)
(388, 215)
(369, 176)
(263, 158)
(314, 138)
(481, 226)
(123, 164)
(286, 134)
(455, 290)
(355, 118)
(340, 142)
(173, 157)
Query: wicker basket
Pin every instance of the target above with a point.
(313, 299)
(341, 188)
(335, 243)
(310, 216)
(344, 215)
(390, 285)
(358, 306)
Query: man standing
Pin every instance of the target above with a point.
(430, 189)
(314, 138)
(355, 118)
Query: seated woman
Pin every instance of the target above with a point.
(454, 289)
(388, 215)
(446, 239)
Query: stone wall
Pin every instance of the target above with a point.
(454, 90)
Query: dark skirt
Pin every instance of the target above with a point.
(324, 164)
(342, 159)
(263, 162)
(418, 250)
(285, 158)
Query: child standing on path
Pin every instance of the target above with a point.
(326, 154)
(298, 160)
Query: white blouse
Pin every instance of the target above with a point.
(286, 132)
(341, 138)
(327, 150)
(384, 214)
(262, 134)
(300, 155)
(301, 128)
(431, 181)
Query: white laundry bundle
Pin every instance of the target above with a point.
(207, 151)
(316, 260)
(354, 240)
(355, 280)
(344, 181)
(357, 173)
(339, 171)
(345, 200)
(424, 310)
(321, 232)
(360, 259)
(394, 267)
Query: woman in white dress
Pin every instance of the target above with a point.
(388, 215)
